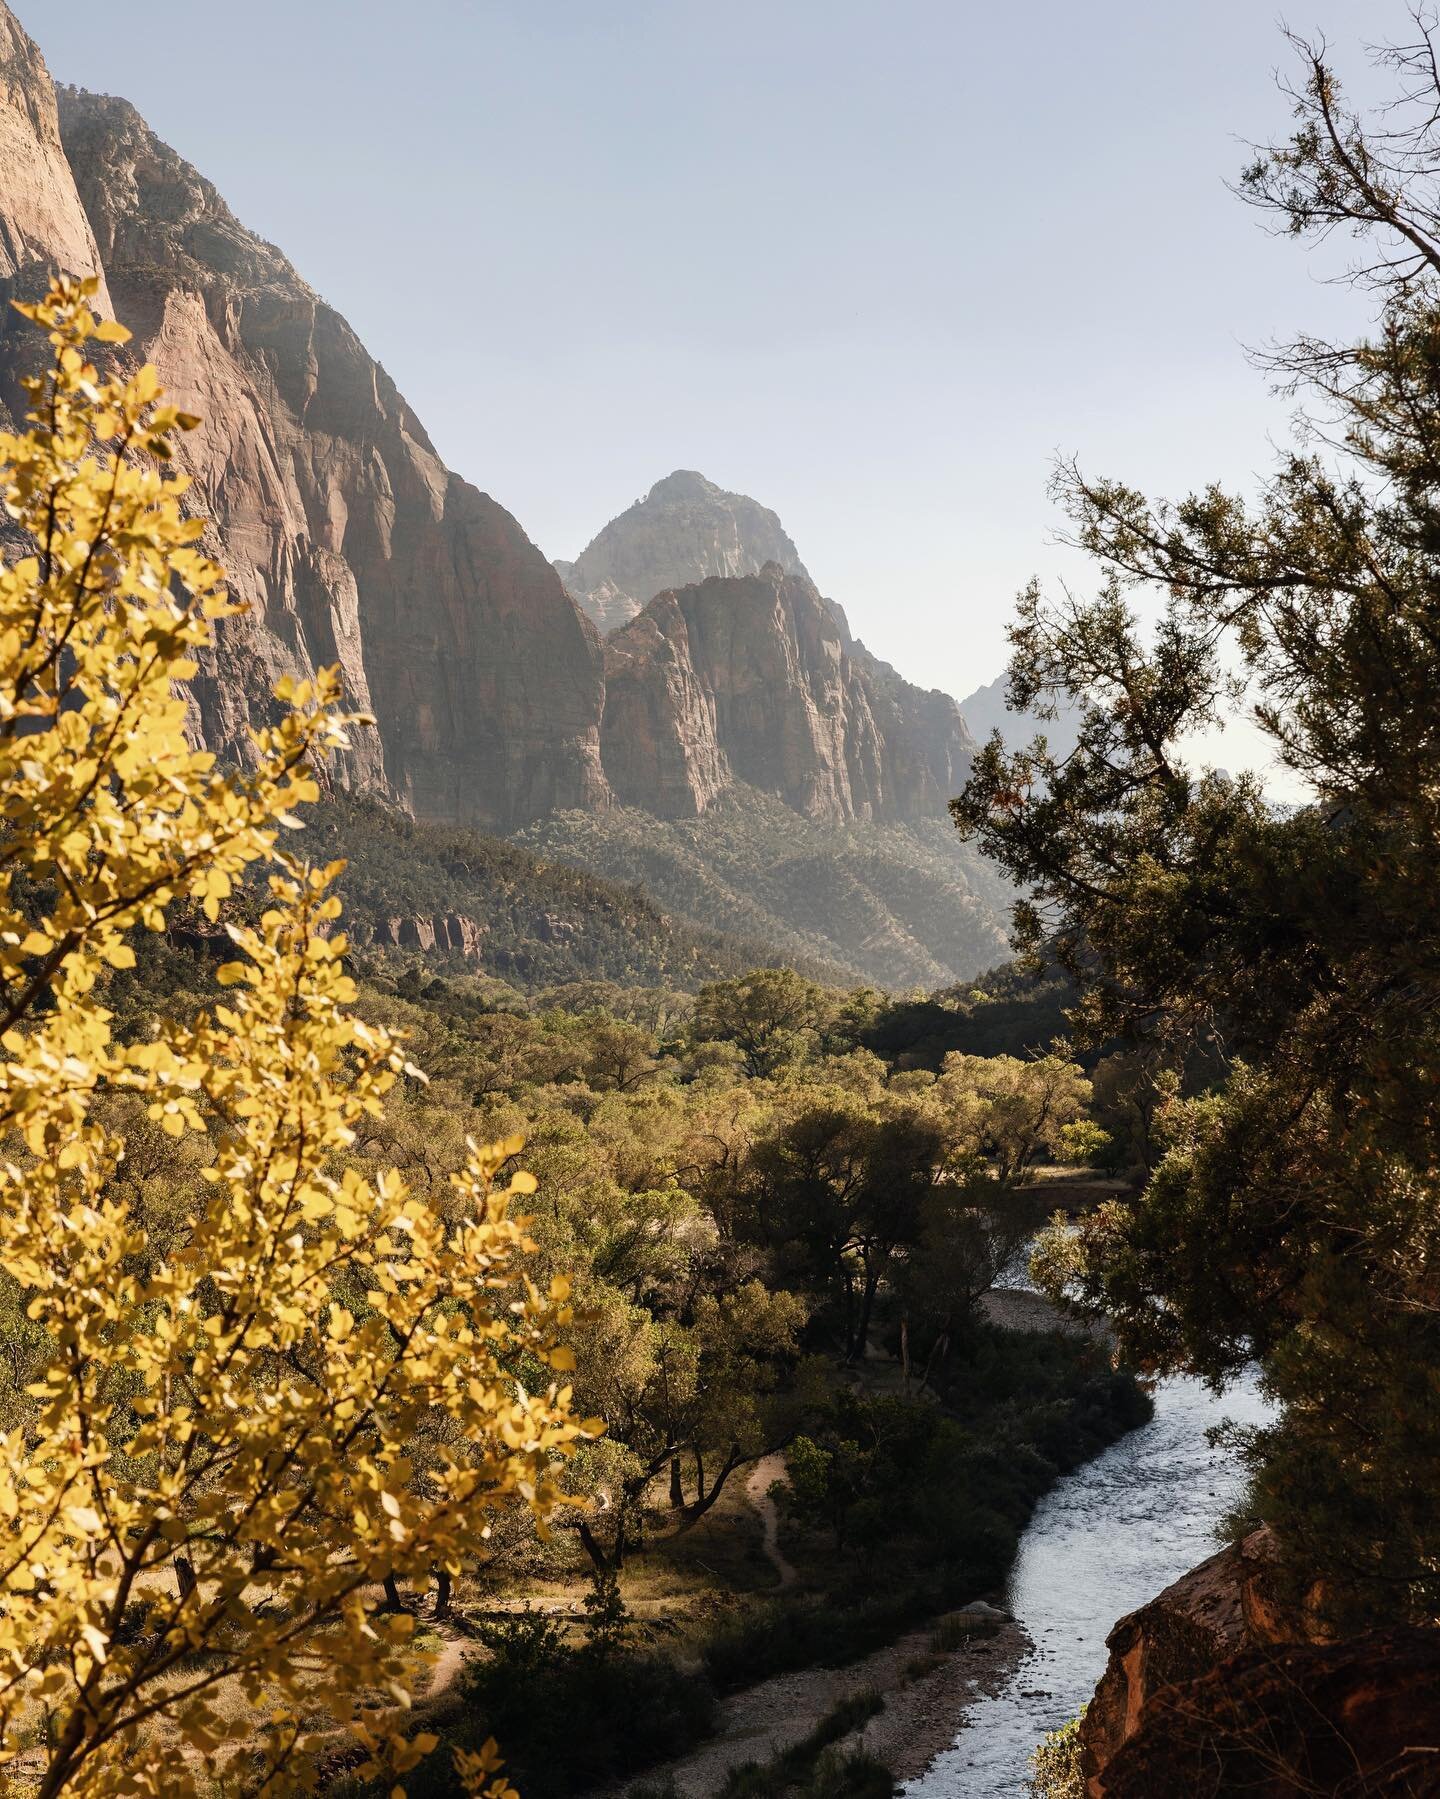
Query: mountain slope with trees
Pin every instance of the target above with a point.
(897, 905)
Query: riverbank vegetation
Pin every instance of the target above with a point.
(1275, 967)
(779, 1245)
(1057, 1769)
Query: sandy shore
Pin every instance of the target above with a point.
(922, 1718)
(926, 1693)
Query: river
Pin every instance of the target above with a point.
(1102, 1541)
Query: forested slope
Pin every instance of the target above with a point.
(501, 909)
(899, 905)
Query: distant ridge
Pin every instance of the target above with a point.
(985, 711)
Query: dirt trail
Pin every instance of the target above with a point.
(455, 1651)
(767, 1471)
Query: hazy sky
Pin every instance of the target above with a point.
(873, 261)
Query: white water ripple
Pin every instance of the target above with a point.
(1104, 1540)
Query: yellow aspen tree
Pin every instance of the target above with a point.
(217, 1468)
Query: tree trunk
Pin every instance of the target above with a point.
(593, 1546)
(941, 1348)
(695, 1511)
(595, 1549)
(867, 1307)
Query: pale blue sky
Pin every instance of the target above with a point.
(873, 261)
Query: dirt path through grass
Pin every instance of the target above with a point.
(767, 1471)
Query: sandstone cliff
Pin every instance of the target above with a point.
(757, 679)
(496, 703)
(340, 528)
(1354, 1720)
(684, 530)
(1220, 1686)
(42, 222)
(1213, 1612)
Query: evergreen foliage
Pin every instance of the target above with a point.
(1279, 966)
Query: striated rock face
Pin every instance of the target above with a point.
(605, 605)
(660, 740)
(684, 530)
(450, 932)
(1356, 1718)
(42, 223)
(1222, 1608)
(341, 529)
(757, 679)
(928, 742)
(349, 542)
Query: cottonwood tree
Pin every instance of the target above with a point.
(837, 1185)
(771, 1015)
(212, 1469)
(1017, 1109)
(1296, 1214)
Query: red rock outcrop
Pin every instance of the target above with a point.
(1227, 1606)
(448, 932)
(757, 679)
(1360, 1717)
(338, 524)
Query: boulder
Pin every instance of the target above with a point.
(1217, 1609)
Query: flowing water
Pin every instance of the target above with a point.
(1102, 1541)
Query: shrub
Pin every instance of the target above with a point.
(619, 1713)
(1056, 1763)
(811, 1766)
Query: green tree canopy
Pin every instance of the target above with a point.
(1294, 1213)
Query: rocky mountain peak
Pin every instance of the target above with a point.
(142, 198)
(685, 530)
(685, 485)
(756, 679)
